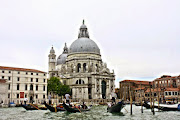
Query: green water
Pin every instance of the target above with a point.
(96, 113)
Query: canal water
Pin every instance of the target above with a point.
(96, 113)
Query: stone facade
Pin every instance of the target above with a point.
(3, 92)
(80, 66)
(165, 88)
(24, 83)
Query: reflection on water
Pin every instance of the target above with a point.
(96, 113)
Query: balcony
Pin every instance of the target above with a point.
(31, 92)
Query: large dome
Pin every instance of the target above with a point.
(84, 45)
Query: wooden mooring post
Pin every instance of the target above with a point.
(153, 99)
(141, 100)
(130, 96)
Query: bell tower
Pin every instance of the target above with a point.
(52, 63)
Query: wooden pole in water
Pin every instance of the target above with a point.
(153, 100)
(157, 96)
(141, 100)
(150, 96)
(130, 96)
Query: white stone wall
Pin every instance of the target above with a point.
(25, 79)
(4, 93)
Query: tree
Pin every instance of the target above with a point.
(65, 89)
(56, 87)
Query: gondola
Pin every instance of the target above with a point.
(116, 108)
(137, 104)
(54, 109)
(73, 110)
(146, 105)
(166, 107)
(33, 107)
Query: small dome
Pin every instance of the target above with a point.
(84, 45)
(62, 59)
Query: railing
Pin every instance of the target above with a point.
(31, 92)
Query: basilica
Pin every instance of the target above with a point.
(80, 66)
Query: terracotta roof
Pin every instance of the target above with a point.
(20, 69)
(172, 89)
(2, 80)
(140, 88)
(137, 81)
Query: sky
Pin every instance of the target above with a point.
(139, 39)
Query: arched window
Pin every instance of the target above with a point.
(31, 87)
(97, 68)
(77, 82)
(80, 81)
(84, 67)
(78, 67)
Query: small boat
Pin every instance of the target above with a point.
(75, 109)
(33, 107)
(116, 108)
(54, 109)
(12, 104)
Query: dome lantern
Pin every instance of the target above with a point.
(83, 31)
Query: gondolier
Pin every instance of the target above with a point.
(114, 96)
(67, 96)
(49, 97)
(25, 100)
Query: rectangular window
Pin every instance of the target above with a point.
(18, 79)
(43, 96)
(8, 95)
(31, 79)
(31, 73)
(44, 80)
(166, 93)
(2, 77)
(17, 86)
(9, 78)
(18, 72)
(26, 73)
(9, 87)
(25, 95)
(36, 79)
(3, 71)
(9, 71)
(175, 93)
(172, 93)
(36, 73)
(44, 74)
(36, 96)
(26, 87)
(169, 93)
(36, 87)
(44, 88)
(17, 95)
